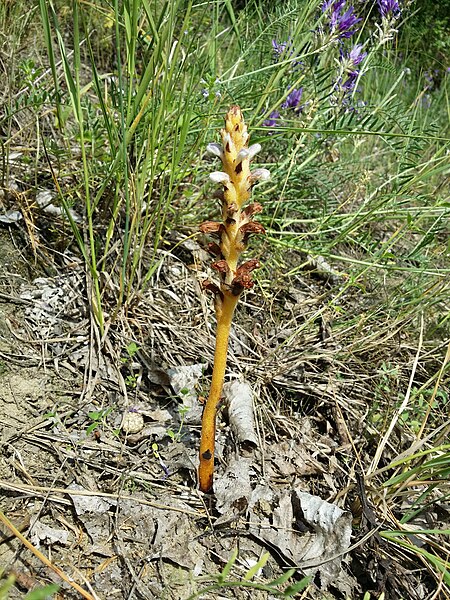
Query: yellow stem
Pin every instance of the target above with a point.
(207, 441)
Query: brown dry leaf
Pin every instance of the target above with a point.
(289, 458)
(44, 534)
(176, 541)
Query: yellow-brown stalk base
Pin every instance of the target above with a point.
(207, 441)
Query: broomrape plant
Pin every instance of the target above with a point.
(233, 233)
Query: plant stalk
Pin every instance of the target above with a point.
(237, 181)
(207, 441)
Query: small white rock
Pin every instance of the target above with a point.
(132, 422)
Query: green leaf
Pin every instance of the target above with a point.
(283, 578)
(227, 568)
(42, 593)
(132, 348)
(95, 415)
(6, 586)
(259, 565)
(91, 427)
(297, 587)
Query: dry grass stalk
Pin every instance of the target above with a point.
(7, 523)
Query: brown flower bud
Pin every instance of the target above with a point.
(252, 209)
(251, 227)
(212, 287)
(243, 279)
(238, 284)
(246, 230)
(214, 249)
(211, 227)
(221, 266)
(248, 266)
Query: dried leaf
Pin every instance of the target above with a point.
(309, 532)
(184, 381)
(239, 400)
(44, 201)
(12, 216)
(89, 504)
(233, 489)
(42, 533)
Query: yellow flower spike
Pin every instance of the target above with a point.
(236, 180)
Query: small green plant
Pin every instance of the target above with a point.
(131, 379)
(421, 403)
(98, 418)
(176, 436)
(41, 593)
(131, 350)
(279, 587)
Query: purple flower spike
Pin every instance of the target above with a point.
(293, 99)
(389, 8)
(350, 61)
(342, 19)
(337, 5)
(271, 121)
(286, 50)
(282, 48)
(344, 23)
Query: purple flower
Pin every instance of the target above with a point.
(283, 49)
(388, 8)
(356, 56)
(271, 121)
(337, 5)
(426, 101)
(279, 48)
(293, 99)
(286, 50)
(342, 22)
(350, 61)
(429, 77)
(349, 84)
